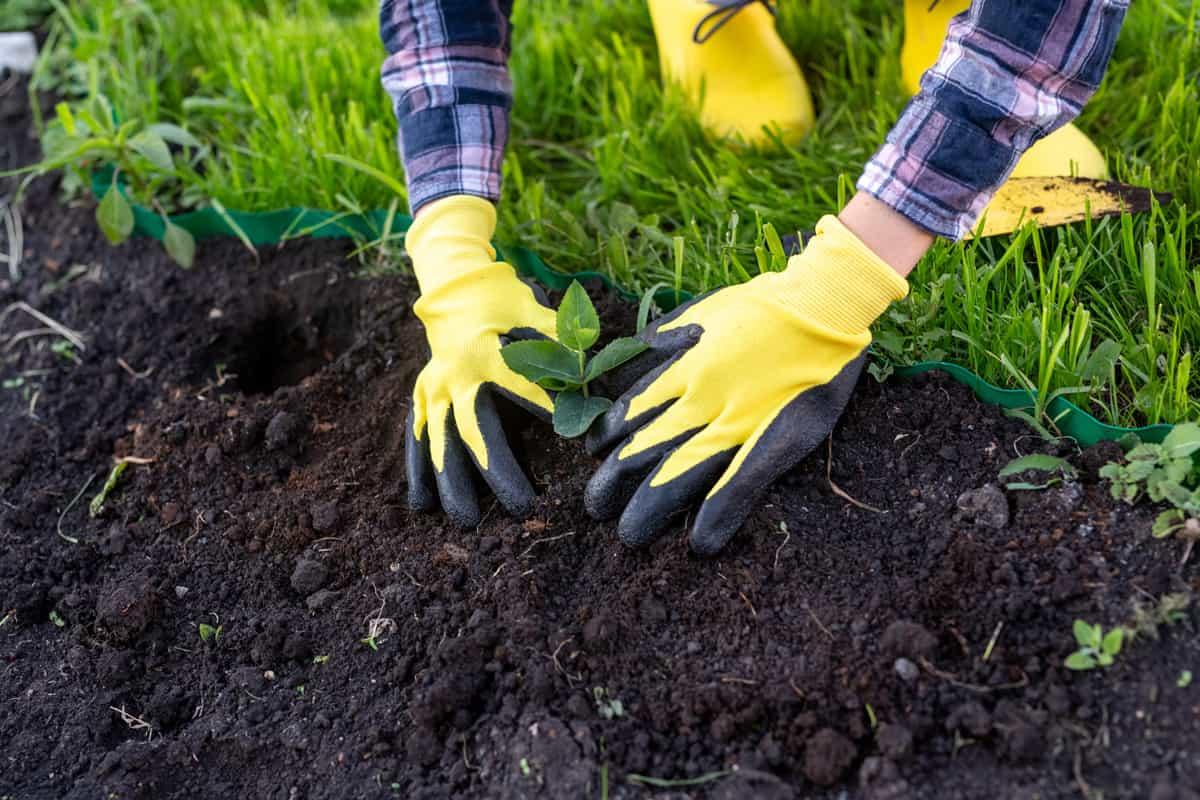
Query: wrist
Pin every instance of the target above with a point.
(449, 238)
(838, 282)
(891, 236)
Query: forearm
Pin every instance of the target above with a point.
(1009, 73)
(447, 75)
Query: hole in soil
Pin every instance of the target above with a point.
(283, 339)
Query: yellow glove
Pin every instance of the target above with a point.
(470, 304)
(739, 386)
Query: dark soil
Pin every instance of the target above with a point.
(357, 650)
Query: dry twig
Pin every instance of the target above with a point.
(838, 490)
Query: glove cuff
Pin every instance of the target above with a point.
(449, 237)
(839, 282)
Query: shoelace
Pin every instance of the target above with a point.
(725, 10)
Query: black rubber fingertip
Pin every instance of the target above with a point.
(709, 540)
(456, 481)
(422, 492)
(504, 475)
(652, 508)
(617, 479)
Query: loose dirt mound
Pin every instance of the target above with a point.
(353, 649)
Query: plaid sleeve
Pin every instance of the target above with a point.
(447, 74)
(1010, 72)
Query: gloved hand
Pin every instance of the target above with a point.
(739, 386)
(470, 304)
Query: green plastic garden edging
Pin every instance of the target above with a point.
(271, 227)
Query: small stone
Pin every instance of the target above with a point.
(970, 717)
(895, 741)
(905, 638)
(309, 576)
(322, 599)
(907, 670)
(987, 506)
(579, 707)
(325, 517)
(827, 756)
(1067, 497)
(170, 513)
(280, 430)
(212, 455)
(248, 678)
(1024, 743)
(181, 591)
(114, 542)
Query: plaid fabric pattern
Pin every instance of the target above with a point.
(1010, 72)
(447, 75)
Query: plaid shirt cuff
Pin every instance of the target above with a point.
(1008, 74)
(447, 75)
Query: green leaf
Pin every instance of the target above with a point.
(578, 325)
(1084, 634)
(646, 305)
(1037, 462)
(173, 134)
(114, 215)
(613, 355)
(181, 245)
(152, 146)
(1026, 486)
(574, 413)
(546, 363)
(1104, 658)
(387, 180)
(66, 119)
(1080, 661)
(1112, 641)
(1183, 440)
(1102, 361)
(1167, 523)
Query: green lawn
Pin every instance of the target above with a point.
(608, 171)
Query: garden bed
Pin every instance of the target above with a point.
(353, 648)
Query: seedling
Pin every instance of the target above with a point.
(564, 367)
(320, 659)
(1185, 679)
(1150, 615)
(208, 633)
(1055, 470)
(64, 350)
(142, 162)
(1166, 472)
(607, 706)
(114, 475)
(1096, 648)
(57, 619)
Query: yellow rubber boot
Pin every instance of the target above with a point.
(1066, 151)
(741, 75)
